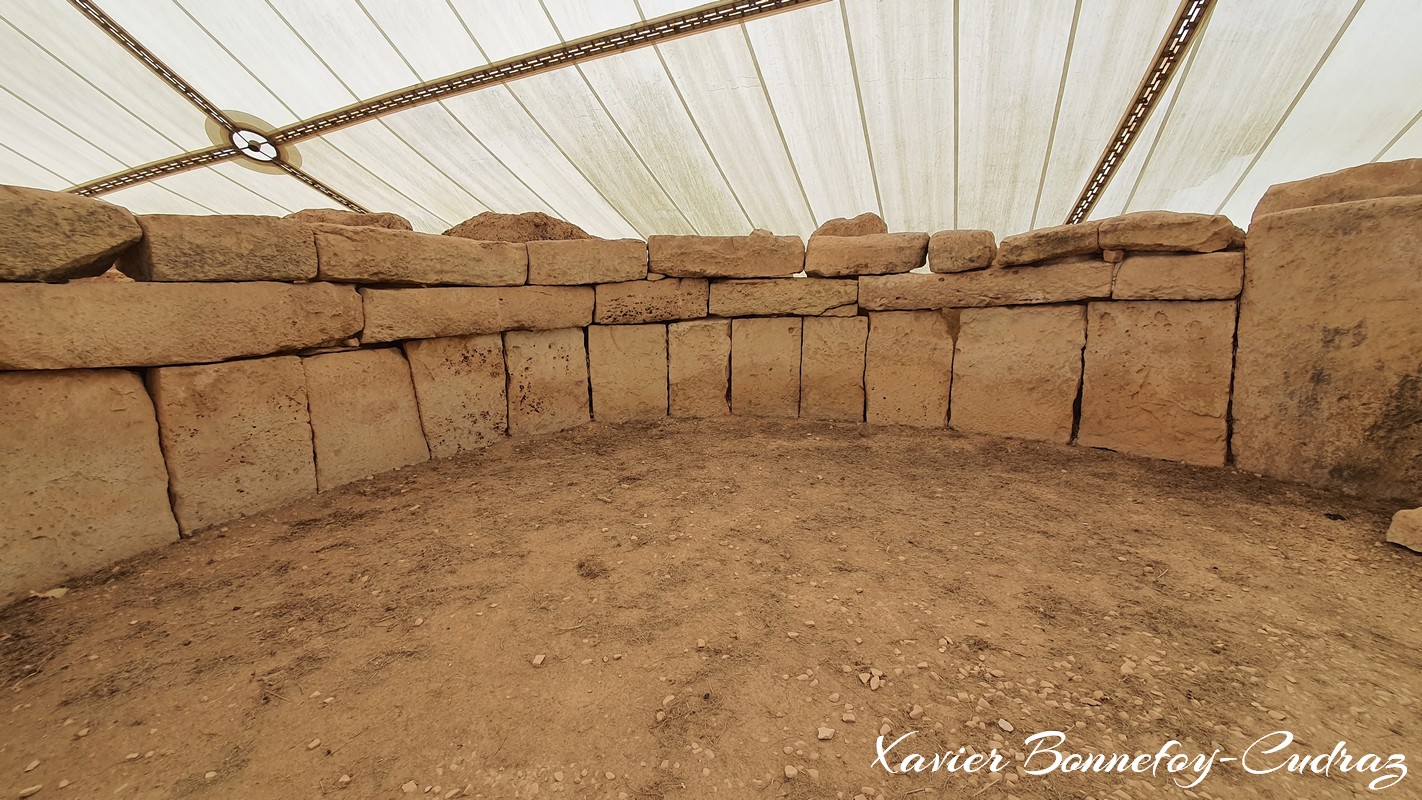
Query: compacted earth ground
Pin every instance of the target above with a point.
(736, 609)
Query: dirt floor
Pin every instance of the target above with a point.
(678, 610)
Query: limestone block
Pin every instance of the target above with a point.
(460, 385)
(1054, 283)
(768, 297)
(1045, 244)
(832, 368)
(394, 314)
(865, 224)
(55, 236)
(364, 418)
(333, 216)
(873, 254)
(179, 247)
(908, 368)
(627, 368)
(82, 481)
(1329, 382)
(377, 255)
(754, 256)
(961, 251)
(548, 380)
(1167, 232)
(765, 367)
(1406, 529)
(135, 324)
(1365, 182)
(638, 302)
(1157, 379)
(1016, 371)
(236, 436)
(585, 261)
(1207, 276)
(699, 368)
(530, 226)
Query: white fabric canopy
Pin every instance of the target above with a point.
(936, 114)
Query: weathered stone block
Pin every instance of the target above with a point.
(1329, 381)
(179, 247)
(766, 297)
(530, 226)
(460, 385)
(1365, 182)
(1157, 379)
(1016, 371)
(1207, 276)
(393, 314)
(1045, 244)
(638, 302)
(865, 224)
(376, 255)
(961, 251)
(908, 368)
(82, 481)
(56, 236)
(585, 261)
(765, 367)
(627, 368)
(699, 368)
(364, 418)
(873, 254)
(548, 380)
(333, 216)
(754, 256)
(1167, 232)
(1054, 283)
(832, 368)
(134, 324)
(1406, 529)
(236, 437)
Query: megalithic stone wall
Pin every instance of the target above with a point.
(257, 360)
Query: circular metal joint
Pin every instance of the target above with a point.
(254, 145)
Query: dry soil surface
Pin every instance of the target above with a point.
(731, 609)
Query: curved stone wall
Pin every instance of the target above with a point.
(254, 361)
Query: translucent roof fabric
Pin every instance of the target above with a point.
(936, 114)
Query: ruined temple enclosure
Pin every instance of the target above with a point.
(704, 402)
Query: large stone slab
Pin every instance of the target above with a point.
(908, 368)
(1329, 381)
(768, 297)
(1046, 244)
(699, 368)
(765, 367)
(364, 418)
(865, 224)
(460, 385)
(548, 380)
(82, 481)
(754, 256)
(1054, 283)
(394, 314)
(961, 251)
(1207, 276)
(376, 255)
(530, 226)
(571, 262)
(55, 236)
(236, 437)
(870, 254)
(178, 247)
(638, 302)
(1406, 529)
(627, 369)
(1157, 379)
(359, 219)
(1016, 371)
(1365, 182)
(135, 324)
(1167, 232)
(832, 368)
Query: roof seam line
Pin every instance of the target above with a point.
(1056, 114)
(957, 104)
(1398, 137)
(779, 130)
(859, 99)
(1165, 120)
